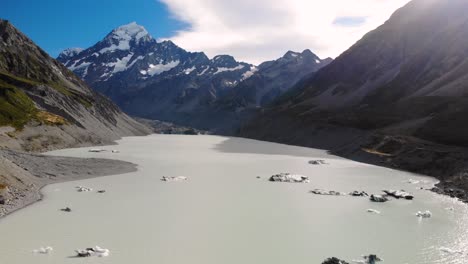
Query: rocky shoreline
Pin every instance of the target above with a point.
(23, 175)
(448, 164)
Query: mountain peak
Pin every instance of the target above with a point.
(291, 54)
(129, 31)
(69, 53)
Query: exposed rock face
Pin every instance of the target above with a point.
(407, 77)
(159, 80)
(47, 105)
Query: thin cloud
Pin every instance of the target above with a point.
(260, 30)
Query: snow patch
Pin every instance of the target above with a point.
(82, 65)
(317, 61)
(121, 64)
(224, 69)
(190, 70)
(160, 68)
(249, 74)
(204, 71)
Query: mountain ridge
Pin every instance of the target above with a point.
(159, 80)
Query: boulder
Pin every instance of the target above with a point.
(2, 200)
(288, 177)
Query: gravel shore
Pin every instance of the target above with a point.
(22, 175)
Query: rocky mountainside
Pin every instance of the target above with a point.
(400, 91)
(408, 76)
(45, 106)
(159, 80)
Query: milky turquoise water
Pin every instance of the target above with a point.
(224, 215)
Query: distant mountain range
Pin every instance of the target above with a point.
(159, 80)
(45, 106)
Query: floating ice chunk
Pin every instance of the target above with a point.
(373, 211)
(370, 259)
(96, 150)
(378, 198)
(399, 194)
(172, 179)
(323, 192)
(43, 250)
(426, 214)
(411, 181)
(288, 177)
(93, 252)
(115, 151)
(317, 162)
(83, 189)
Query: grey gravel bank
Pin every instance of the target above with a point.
(22, 175)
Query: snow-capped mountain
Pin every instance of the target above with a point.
(159, 80)
(154, 79)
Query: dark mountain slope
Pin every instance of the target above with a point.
(43, 105)
(409, 76)
(402, 91)
(274, 78)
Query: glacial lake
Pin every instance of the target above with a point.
(224, 214)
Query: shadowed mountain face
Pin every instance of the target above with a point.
(43, 105)
(407, 77)
(274, 78)
(159, 80)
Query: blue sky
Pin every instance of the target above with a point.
(250, 30)
(58, 24)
